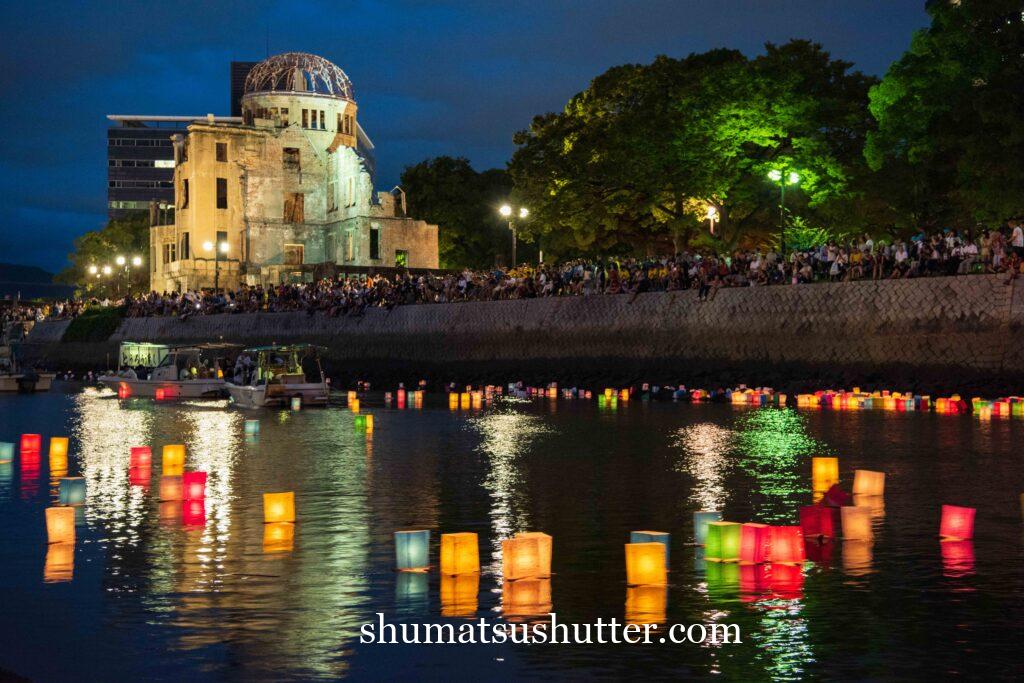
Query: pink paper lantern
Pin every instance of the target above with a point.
(787, 545)
(193, 485)
(957, 523)
(755, 542)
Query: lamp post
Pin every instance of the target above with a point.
(127, 265)
(221, 248)
(506, 211)
(783, 178)
(712, 216)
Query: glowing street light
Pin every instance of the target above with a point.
(712, 216)
(222, 247)
(783, 178)
(93, 270)
(136, 261)
(120, 260)
(507, 211)
(107, 270)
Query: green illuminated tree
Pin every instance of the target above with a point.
(126, 237)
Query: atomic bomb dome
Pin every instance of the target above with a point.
(299, 72)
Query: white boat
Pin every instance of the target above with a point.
(26, 382)
(169, 373)
(278, 377)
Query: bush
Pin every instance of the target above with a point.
(96, 324)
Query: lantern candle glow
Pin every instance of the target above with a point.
(173, 459)
(279, 507)
(193, 485)
(412, 550)
(723, 542)
(59, 448)
(786, 545)
(645, 564)
(824, 473)
(460, 554)
(140, 456)
(278, 537)
(755, 543)
(6, 451)
(868, 483)
(31, 444)
(526, 556)
(652, 537)
(529, 598)
(60, 524)
(957, 523)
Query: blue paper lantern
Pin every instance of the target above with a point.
(412, 550)
(252, 426)
(6, 451)
(701, 519)
(72, 491)
(651, 537)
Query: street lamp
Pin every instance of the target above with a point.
(93, 270)
(222, 248)
(783, 178)
(506, 211)
(712, 216)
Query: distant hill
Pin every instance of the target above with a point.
(30, 282)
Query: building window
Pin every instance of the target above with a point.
(170, 253)
(350, 192)
(163, 163)
(350, 247)
(186, 252)
(332, 183)
(401, 258)
(184, 193)
(291, 159)
(305, 118)
(294, 254)
(374, 242)
(222, 193)
(222, 151)
(294, 207)
(323, 120)
(284, 117)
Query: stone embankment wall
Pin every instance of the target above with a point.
(949, 332)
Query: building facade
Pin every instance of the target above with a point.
(285, 194)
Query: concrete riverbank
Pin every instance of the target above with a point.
(939, 333)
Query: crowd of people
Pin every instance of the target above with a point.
(946, 253)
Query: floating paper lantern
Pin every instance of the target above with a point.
(72, 491)
(60, 524)
(140, 456)
(352, 396)
(60, 563)
(755, 543)
(31, 444)
(193, 513)
(59, 448)
(624, 395)
(652, 537)
(957, 558)
(787, 545)
(171, 487)
(857, 523)
(173, 459)
(701, 519)
(193, 485)
(464, 400)
(412, 550)
(453, 401)
(526, 555)
(723, 542)
(279, 507)
(6, 451)
(278, 537)
(608, 393)
(353, 405)
(645, 564)
(459, 594)
(957, 523)
(817, 521)
(868, 483)
(646, 604)
(527, 598)
(824, 473)
(460, 554)
(359, 423)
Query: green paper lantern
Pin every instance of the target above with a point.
(723, 542)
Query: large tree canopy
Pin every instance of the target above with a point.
(642, 153)
(463, 203)
(127, 237)
(950, 113)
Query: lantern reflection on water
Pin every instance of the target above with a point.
(60, 563)
(645, 564)
(755, 540)
(957, 558)
(278, 537)
(526, 598)
(723, 542)
(874, 503)
(60, 524)
(72, 491)
(652, 537)
(459, 594)
(169, 511)
(868, 483)
(412, 591)
(957, 523)
(252, 427)
(140, 476)
(459, 554)
(646, 604)
(857, 523)
(412, 550)
(526, 555)
(701, 519)
(857, 557)
(787, 581)
(170, 488)
(193, 513)
(279, 507)
(723, 578)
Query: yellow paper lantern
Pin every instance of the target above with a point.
(279, 507)
(459, 595)
(824, 473)
(60, 524)
(645, 564)
(353, 405)
(868, 483)
(278, 537)
(352, 396)
(459, 554)
(60, 563)
(173, 459)
(171, 488)
(646, 604)
(528, 598)
(857, 523)
(526, 556)
(369, 424)
(59, 447)
(464, 400)
(453, 401)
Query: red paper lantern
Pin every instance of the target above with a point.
(754, 543)
(787, 545)
(836, 497)
(787, 580)
(141, 456)
(817, 521)
(957, 523)
(819, 553)
(193, 486)
(31, 444)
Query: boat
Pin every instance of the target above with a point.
(164, 372)
(277, 374)
(13, 377)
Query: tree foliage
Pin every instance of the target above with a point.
(126, 237)
(463, 203)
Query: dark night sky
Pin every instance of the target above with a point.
(430, 78)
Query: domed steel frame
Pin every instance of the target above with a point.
(299, 72)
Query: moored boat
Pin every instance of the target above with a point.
(274, 375)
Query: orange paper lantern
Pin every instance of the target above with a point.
(526, 556)
(824, 473)
(279, 507)
(173, 459)
(868, 483)
(787, 545)
(645, 564)
(459, 554)
(60, 524)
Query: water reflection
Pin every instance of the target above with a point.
(707, 456)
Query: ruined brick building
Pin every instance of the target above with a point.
(284, 194)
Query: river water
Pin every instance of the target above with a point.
(164, 590)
